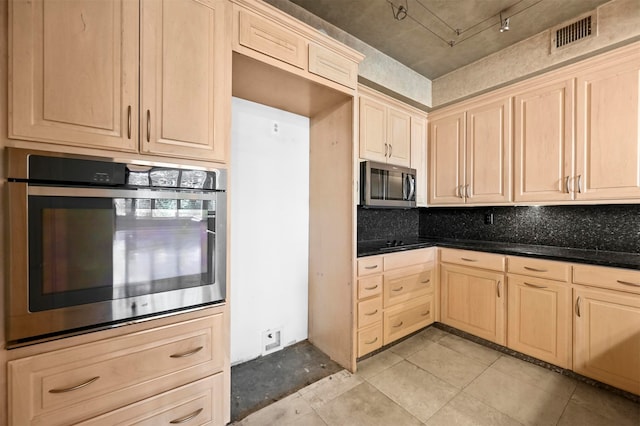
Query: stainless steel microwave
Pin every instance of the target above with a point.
(95, 242)
(386, 185)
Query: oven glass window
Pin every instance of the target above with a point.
(86, 250)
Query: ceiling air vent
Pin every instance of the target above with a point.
(569, 33)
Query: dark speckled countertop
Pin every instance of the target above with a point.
(593, 257)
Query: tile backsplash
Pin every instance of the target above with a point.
(605, 227)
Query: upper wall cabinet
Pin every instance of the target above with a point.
(470, 158)
(273, 37)
(75, 68)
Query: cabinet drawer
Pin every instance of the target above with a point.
(197, 403)
(613, 278)
(408, 258)
(369, 339)
(407, 284)
(558, 271)
(332, 66)
(407, 318)
(369, 312)
(271, 39)
(370, 286)
(369, 265)
(475, 259)
(77, 383)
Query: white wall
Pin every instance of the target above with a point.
(269, 227)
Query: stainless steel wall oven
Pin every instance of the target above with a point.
(95, 242)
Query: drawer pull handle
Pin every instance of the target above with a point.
(371, 313)
(399, 325)
(129, 122)
(426, 313)
(528, 268)
(187, 417)
(578, 307)
(628, 283)
(498, 288)
(466, 259)
(426, 282)
(76, 387)
(535, 286)
(371, 342)
(148, 125)
(371, 288)
(371, 267)
(397, 289)
(189, 353)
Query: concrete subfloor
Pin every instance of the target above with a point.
(262, 381)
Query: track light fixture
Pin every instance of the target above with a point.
(504, 24)
(401, 12)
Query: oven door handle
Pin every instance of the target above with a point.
(145, 193)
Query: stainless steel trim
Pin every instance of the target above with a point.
(188, 353)
(76, 387)
(187, 417)
(145, 193)
(534, 286)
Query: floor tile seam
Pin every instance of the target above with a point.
(459, 391)
(468, 395)
(590, 407)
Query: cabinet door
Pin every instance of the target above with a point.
(74, 67)
(373, 145)
(399, 137)
(488, 153)
(473, 301)
(186, 90)
(608, 139)
(539, 319)
(544, 143)
(447, 139)
(419, 158)
(607, 337)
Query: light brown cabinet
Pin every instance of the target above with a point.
(473, 298)
(385, 131)
(539, 309)
(76, 65)
(419, 157)
(471, 154)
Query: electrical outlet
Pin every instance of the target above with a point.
(488, 218)
(271, 341)
(275, 128)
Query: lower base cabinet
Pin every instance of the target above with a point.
(404, 319)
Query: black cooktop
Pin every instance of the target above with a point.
(393, 244)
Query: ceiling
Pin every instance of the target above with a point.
(426, 40)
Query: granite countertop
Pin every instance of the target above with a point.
(593, 257)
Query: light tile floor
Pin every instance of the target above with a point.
(436, 378)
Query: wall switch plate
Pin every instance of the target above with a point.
(488, 218)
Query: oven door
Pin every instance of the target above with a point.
(95, 257)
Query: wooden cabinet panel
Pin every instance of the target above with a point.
(369, 339)
(447, 144)
(607, 337)
(369, 286)
(407, 284)
(399, 137)
(197, 403)
(474, 259)
(373, 144)
(369, 311)
(407, 258)
(271, 39)
(559, 271)
(183, 80)
(370, 265)
(406, 318)
(74, 68)
(488, 153)
(111, 373)
(544, 143)
(626, 280)
(473, 300)
(539, 319)
(608, 138)
(419, 158)
(328, 64)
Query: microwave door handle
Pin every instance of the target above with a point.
(405, 188)
(412, 187)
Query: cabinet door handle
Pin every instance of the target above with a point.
(466, 259)
(390, 150)
(188, 353)
(425, 314)
(76, 387)
(467, 190)
(371, 313)
(386, 149)
(498, 287)
(187, 417)
(579, 184)
(528, 268)
(397, 289)
(371, 267)
(566, 184)
(460, 191)
(371, 288)
(578, 307)
(535, 286)
(371, 342)
(426, 282)
(399, 325)
(148, 125)
(628, 283)
(129, 122)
